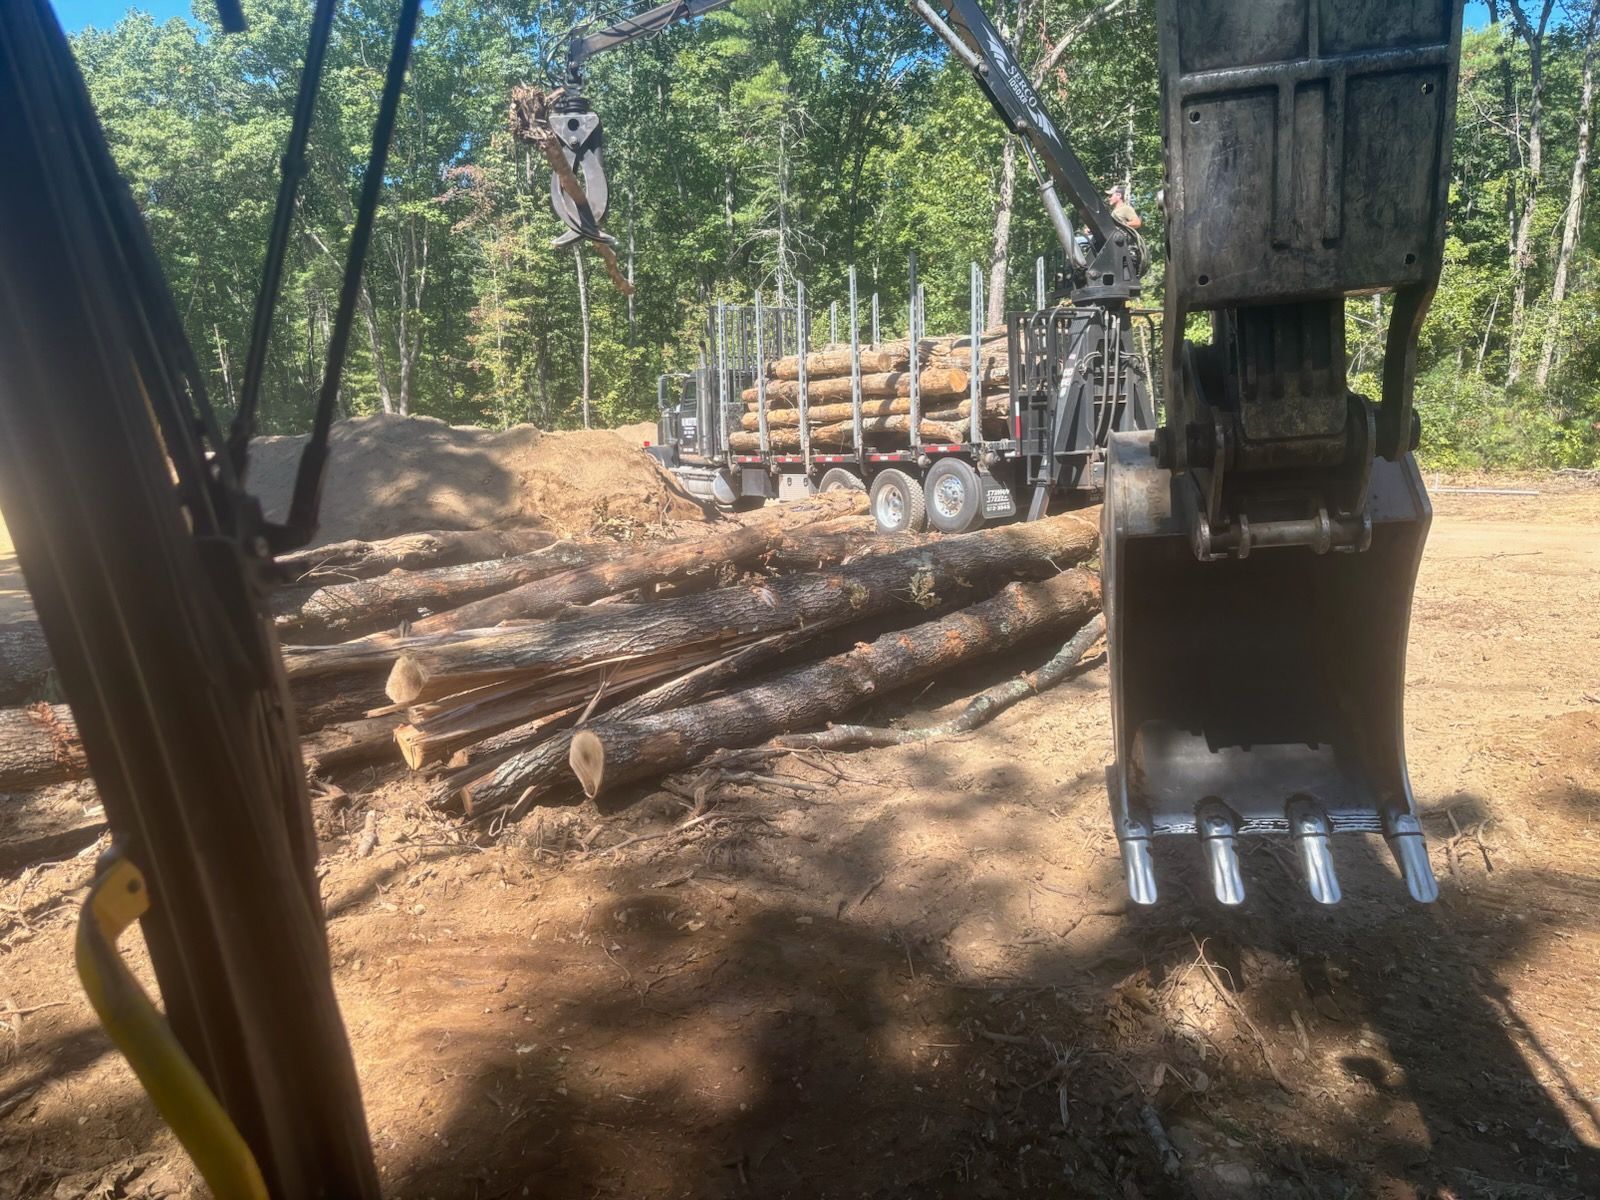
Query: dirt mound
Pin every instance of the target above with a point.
(390, 475)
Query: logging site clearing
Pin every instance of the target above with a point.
(909, 970)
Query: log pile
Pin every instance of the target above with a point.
(944, 374)
(577, 668)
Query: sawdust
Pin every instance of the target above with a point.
(391, 475)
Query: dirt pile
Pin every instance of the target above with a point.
(391, 475)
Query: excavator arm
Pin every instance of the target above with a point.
(1115, 260)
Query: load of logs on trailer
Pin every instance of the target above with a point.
(512, 668)
(943, 381)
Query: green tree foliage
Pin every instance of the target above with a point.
(766, 142)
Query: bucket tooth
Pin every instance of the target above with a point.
(1313, 832)
(1134, 839)
(1410, 850)
(1218, 828)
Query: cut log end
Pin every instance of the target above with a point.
(406, 680)
(587, 758)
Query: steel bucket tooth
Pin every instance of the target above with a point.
(1270, 685)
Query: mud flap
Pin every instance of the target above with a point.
(1257, 695)
(998, 502)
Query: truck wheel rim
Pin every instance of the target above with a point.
(891, 507)
(949, 496)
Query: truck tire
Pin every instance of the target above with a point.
(954, 496)
(897, 503)
(837, 479)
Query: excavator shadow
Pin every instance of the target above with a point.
(839, 1028)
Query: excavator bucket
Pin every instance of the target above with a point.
(1261, 547)
(1260, 694)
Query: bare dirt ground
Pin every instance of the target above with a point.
(917, 974)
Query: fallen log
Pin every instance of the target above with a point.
(612, 752)
(350, 744)
(934, 382)
(24, 662)
(412, 552)
(838, 437)
(445, 664)
(671, 562)
(980, 710)
(436, 729)
(344, 610)
(948, 567)
(539, 765)
(39, 745)
(479, 784)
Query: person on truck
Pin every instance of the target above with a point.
(1121, 209)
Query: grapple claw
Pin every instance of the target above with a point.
(580, 195)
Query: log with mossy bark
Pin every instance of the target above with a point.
(948, 571)
(411, 552)
(611, 752)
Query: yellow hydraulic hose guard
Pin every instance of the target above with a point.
(117, 898)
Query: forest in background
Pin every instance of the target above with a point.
(766, 142)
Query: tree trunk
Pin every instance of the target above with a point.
(657, 564)
(1523, 251)
(380, 366)
(1513, 118)
(345, 610)
(1000, 243)
(922, 576)
(1573, 219)
(39, 745)
(412, 552)
(24, 662)
(583, 316)
(612, 752)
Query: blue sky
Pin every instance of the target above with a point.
(75, 14)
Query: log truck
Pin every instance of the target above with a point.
(1259, 548)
